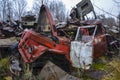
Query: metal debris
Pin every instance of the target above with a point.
(53, 72)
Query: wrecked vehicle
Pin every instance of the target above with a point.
(113, 44)
(77, 43)
(28, 21)
(50, 43)
(90, 40)
(89, 43)
(88, 37)
(37, 48)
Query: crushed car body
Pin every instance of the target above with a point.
(86, 46)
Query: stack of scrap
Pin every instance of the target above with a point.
(8, 30)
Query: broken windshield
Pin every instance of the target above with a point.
(85, 33)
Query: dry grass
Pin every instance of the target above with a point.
(4, 69)
(4, 64)
(114, 73)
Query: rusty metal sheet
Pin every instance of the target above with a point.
(8, 41)
(53, 72)
(84, 7)
(81, 54)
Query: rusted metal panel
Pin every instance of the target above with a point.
(53, 72)
(81, 54)
(45, 21)
(7, 42)
(84, 7)
(4, 46)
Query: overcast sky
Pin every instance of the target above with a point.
(107, 5)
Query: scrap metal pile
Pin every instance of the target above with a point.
(8, 30)
(8, 34)
(75, 43)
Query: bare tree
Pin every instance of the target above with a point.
(37, 4)
(57, 8)
(107, 20)
(5, 9)
(117, 2)
(9, 10)
(19, 7)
